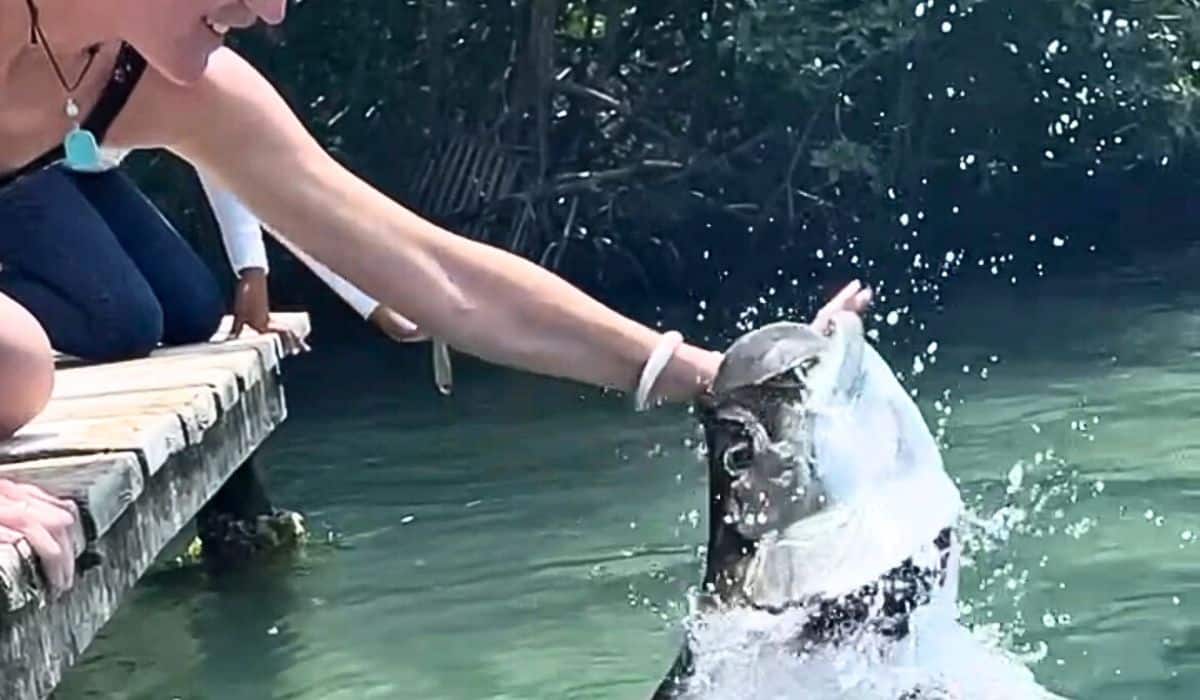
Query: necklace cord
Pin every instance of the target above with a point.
(37, 36)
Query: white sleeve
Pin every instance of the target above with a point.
(241, 231)
(111, 158)
(355, 297)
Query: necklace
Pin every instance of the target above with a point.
(81, 150)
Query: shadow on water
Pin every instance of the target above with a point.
(198, 632)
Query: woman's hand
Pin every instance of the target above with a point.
(46, 523)
(853, 297)
(693, 369)
(252, 307)
(251, 303)
(395, 326)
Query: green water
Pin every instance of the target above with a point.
(526, 539)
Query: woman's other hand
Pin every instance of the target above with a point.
(47, 524)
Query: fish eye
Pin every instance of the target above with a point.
(796, 376)
(738, 457)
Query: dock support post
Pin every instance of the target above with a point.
(240, 522)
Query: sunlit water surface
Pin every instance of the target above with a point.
(524, 539)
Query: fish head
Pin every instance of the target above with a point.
(759, 423)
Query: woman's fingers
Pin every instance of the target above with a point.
(853, 297)
(58, 564)
(47, 523)
(39, 494)
(862, 300)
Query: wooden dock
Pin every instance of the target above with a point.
(141, 446)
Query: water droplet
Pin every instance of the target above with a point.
(1016, 476)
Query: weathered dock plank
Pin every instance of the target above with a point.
(214, 375)
(154, 438)
(102, 484)
(141, 446)
(197, 407)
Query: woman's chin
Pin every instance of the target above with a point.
(187, 63)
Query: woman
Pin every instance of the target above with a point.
(205, 103)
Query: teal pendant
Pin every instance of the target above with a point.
(82, 151)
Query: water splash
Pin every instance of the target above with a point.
(746, 654)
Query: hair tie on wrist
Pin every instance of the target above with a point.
(663, 352)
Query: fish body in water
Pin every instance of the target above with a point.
(831, 524)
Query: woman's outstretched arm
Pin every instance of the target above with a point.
(479, 298)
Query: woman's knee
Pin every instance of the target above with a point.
(126, 330)
(26, 367)
(190, 299)
(118, 323)
(133, 331)
(194, 318)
